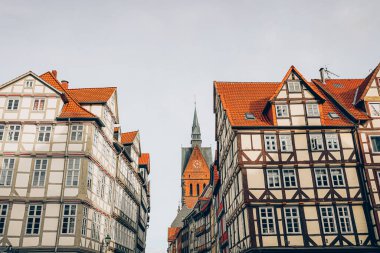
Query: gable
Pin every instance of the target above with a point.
(196, 166)
(370, 86)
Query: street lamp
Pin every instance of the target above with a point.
(107, 240)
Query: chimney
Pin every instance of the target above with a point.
(323, 77)
(65, 84)
(54, 72)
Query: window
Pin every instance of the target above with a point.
(72, 178)
(374, 109)
(289, 178)
(1, 132)
(321, 177)
(14, 132)
(96, 136)
(282, 111)
(286, 143)
(39, 172)
(68, 219)
(39, 104)
(344, 219)
(102, 186)
(332, 142)
(267, 220)
(29, 83)
(95, 226)
(7, 172)
(84, 221)
(76, 133)
(292, 220)
(273, 177)
(270, 143)
(197, 189)
(90, 175)
(328, 220)
(294, 86)
(3, 217)
(191, 189)
(13, 104)
(337, 177)
(34, 220)
(44, 134)
(375, 140)
(316, 141)
(312, 110)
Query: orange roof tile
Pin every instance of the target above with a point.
(172, 234)
(93, 95)
(144, 159)
(364, 86)
(128, 137)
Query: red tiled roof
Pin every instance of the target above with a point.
(172, 234)
(144, 159)
(128, 137)
(93, 95)
(363, 88)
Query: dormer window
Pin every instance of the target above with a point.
(294, 86)
(29, 83)
(374, 109)
(282, 111)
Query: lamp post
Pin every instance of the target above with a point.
(107, 241)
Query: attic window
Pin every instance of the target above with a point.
(249, 116)
(333, 115)
(29, 83)
(338, 85)
(294, 86)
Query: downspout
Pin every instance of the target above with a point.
(63, 187)
(363, 185)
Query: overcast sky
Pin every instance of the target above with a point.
(161, 54)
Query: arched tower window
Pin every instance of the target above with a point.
(191, 189)
(204, 185)
(197, 189)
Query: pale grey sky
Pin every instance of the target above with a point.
(161, 53)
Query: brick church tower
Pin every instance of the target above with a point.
(196, 161)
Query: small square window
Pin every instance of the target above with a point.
(282, 111)
(29, 83)
(270, 143)
(312, 110)
(332, 142)
(316, 141)
(294, 86)
(39, 104)
(286, 143)
(374, 109)
(375, 140)
(13, 104)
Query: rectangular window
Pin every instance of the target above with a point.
(76, 132)
(68, 219)
(90, 175)
(96, 136)
(95, 226)
(1, 132)
(34, 220)
(337, 177)
(270, 143)
(375, 140)
(328, 219)
(13, 104)
(282, 111)
(44, 133)
(344, 219)
(286, 143)
(294, 86)
(73, 169)
(14, 132)
(292, 220)
(289, 178)
(39, 174)
(267, 220)
(84, 221)
(321, 177)
(39, 104)
(3, 217)
(332, 142)
(7, 172)
(312, 110)
(29, 83)
(273, 177)
(374, 109)
(316, 142)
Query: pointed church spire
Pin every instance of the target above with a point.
(196, 131)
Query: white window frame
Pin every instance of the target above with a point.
(337, 177)
(84, 221)
(69, 218)
(28, 84)
(282, 111)
(286, 143)
(39, 104)
(14, 132)
(7, 169)
(293, 219)
(270, 142)
(345, 221)
(294, 86)
(39, 173)
(372, 143)
(332, 141)
(328, 220)
(320, 178)
(2, 131)
(312, 110)
(96, 136)
(273, 178)
(73, 171)
(316, 142)
(375, 112)
(13, 104)
(3, 217)
(44, 133)
(34, 219)
(76, 132)
(95, 226)
(90, 175)
(288, 178)
(267, 219)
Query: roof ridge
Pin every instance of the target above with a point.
(83, 88)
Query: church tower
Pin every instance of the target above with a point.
(196, 161)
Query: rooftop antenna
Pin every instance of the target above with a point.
(329, 73)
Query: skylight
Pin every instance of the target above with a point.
(249, 116)
(338, 85)
(333, 115)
